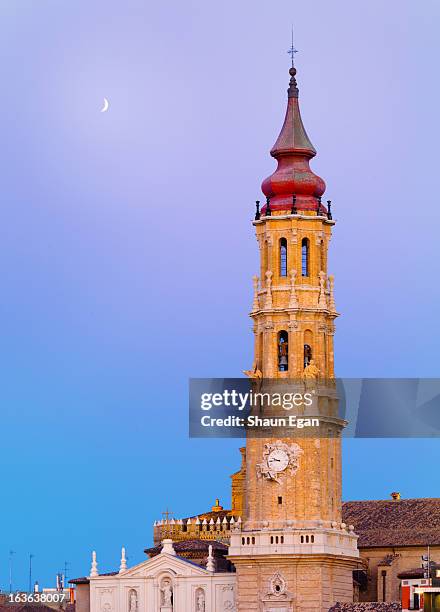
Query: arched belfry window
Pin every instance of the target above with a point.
(283, 351)
(307, 354)
(283, 257)
(305, 257)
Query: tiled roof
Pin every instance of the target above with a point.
(417, 572)
(82, 580)
(187, 546)
(405, 522)
(85, 579)
(373, 606)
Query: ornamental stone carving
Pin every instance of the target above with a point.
(166, 592)
(287, 456)
(255, 303)
(322, 302)
(277, 585)
(293, 302)
(132, 601)
(331, 282)
(319, 238)
(228, 598)
(268, 302)
(200, 600)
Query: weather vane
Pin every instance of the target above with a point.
(292, 51)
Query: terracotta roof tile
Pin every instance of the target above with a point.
(406, 522)
(85, 579)
(371, 606)
(186, 546)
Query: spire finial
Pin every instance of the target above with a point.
(210, 565)
(123, 565)
(94, 568)
(293, 86)
(292, 51)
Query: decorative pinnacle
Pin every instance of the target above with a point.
(293, 91)
(210, 566)
(94, 568)
(318, 209)
(268, 209)
(123, 565)
(329, 210)
(293, 85)
(257, 214)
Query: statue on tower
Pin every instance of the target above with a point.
(311, 371)
(254, 372)
(283, 353)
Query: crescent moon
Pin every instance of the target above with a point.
(105, 107)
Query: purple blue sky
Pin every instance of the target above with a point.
(127, 248)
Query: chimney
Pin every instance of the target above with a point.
(395, 496)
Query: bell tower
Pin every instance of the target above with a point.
(292, 551)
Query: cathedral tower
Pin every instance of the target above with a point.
(292, 551)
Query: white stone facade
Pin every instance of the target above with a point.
(165, 583)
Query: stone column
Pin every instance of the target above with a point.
(268, 350)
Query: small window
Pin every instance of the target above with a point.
(312, 539)
(271, 539)
(305, 257)
(243, 540)
(253, 540)
(302, 539)
(280, 500)
(283, 257)
(282, 539)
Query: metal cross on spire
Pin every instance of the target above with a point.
(167, 514)
(292, 51)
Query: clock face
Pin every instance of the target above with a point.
(278, 460)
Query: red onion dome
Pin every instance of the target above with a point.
(293, 152)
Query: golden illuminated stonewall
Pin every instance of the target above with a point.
(292, 551)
